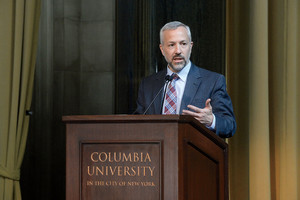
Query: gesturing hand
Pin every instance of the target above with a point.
(205, 115)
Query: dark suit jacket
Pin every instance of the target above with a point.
(201, 84)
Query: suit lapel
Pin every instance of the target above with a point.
(194, 80)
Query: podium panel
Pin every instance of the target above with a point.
(138, 157)
(111, 170)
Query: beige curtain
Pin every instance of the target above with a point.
(264, 83)
(18, 35)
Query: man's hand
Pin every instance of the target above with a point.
(205, 115)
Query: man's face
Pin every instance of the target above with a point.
(176, 48)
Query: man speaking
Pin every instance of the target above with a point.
(183, 88)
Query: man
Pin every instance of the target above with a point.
(192, 91)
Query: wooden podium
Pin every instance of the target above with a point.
(143, 157)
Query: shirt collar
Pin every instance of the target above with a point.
(183, 73)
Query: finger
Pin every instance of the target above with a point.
(188, 112)
(198, 116)
(194, 108)
(207, 103)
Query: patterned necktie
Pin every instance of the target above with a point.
(171, 97)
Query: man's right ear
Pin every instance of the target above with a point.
(161, 49)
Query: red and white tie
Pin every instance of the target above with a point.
(171, 97)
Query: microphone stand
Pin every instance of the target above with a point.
(168, 78)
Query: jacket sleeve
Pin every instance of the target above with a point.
(223, 109)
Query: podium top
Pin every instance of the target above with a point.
(125, 118)
(132, 119)
(180, 119)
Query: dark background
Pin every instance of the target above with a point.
(137, 48)
(92, 55)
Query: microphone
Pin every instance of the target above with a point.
(168, 78)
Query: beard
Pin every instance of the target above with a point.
(177, 66)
